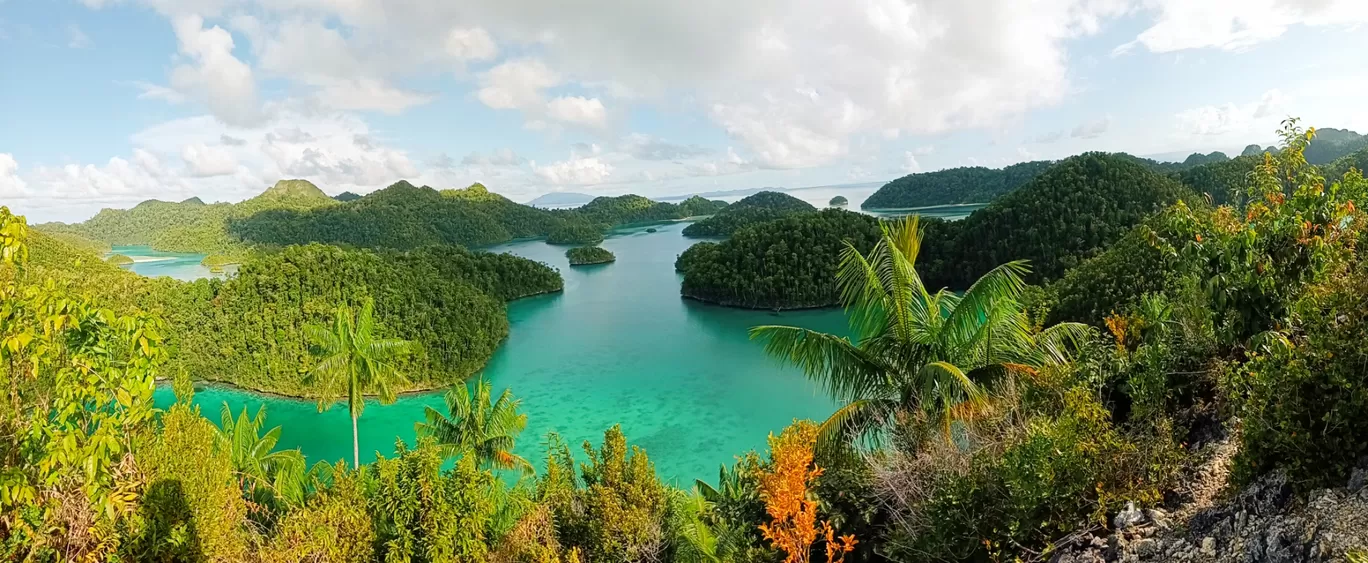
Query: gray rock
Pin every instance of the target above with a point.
(1145, 547)
(1128, 517)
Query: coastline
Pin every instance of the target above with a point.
(424, 389)
(749, 308)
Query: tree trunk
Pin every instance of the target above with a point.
(356, 447)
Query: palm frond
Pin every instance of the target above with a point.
(845, 370)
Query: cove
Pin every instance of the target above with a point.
(618, 345)
(183, 266)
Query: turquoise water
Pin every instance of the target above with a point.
(947, 212)
(155, 263)
(617, 346)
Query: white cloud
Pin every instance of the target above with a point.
(500, 157)
(1238, 24)
(910, 164)
(204, 161)
(578, 110)
(1092, 129)
(516, 84)
(369, 94)
(576, 171)
(215, 77)
(11, 185)
(471, 44)
(1230, 118)
(646, 147)
(77, 39)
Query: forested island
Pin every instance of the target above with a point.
(839, 201)
(973, 184)
(1169, 342)
(119, 260)
(588, 255)
(756, 208)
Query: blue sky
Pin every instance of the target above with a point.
(110, 102)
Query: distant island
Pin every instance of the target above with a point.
(839, 201)
(586, 255)
(560, 199)
(119, 260)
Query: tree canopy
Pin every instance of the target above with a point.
(757, 208)
(971, 184)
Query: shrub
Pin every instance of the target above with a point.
(334, 526)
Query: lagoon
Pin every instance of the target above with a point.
(184, 266)
(618, 345)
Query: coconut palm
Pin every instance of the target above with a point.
(937, 356)
(354, 360)
(265, 473)
(476, 426)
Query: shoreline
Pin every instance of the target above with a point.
(748, 308)
(419, 390)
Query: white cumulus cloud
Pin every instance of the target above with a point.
(576, 171)
(203, 161)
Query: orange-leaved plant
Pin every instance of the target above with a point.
(793, 525)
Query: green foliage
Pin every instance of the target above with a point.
(79, 381)
(584, 255)
(1059, 473)
(974, 184)
(217, 261)
(615, 508)
(354, 362)
(400, 216)
(1332, 144)
(270, 478)
(345, 197)
(576, 233)
(1071, 212)
(1358, 160)
(333, 526)
(478, 427)
(838, 201)
(1114, 280)
(789, 263)
(937, 358)
(1302, 396)
(634, 209)
(192, 508)
(191, 226)
(249, 330)
(757, 208)
(1225, 181)
(424, 514)
(119, 260)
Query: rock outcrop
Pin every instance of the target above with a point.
(1266, 523)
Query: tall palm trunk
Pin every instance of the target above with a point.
(356, 447)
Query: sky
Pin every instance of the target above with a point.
(105, 103)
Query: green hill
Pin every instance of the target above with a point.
(1071, 212)
(974, 184)
(757, 208)
(191, 225)
(788, 263)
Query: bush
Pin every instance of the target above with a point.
(334, 526)
(1302, 397)
(424, 514)
(619, 512)
(192, 508)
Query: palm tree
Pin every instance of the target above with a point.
(937, 356)
(475, 426)
(351, 357)
(265, 473)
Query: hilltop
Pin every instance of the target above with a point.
(758, 208)
(191, 225)
(973, 184)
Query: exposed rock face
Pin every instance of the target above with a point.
(1266, 523)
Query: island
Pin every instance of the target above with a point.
(575, 233)
(119, 260)
(587, 255)
(839, 201)
(217, 262)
